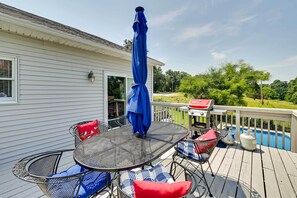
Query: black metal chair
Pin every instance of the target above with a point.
(117, 122)
(74, 132)
(198, 151)
(45, 170)
(126, 178)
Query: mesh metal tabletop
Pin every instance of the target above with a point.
(119, 149)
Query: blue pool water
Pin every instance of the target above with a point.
(272, 138)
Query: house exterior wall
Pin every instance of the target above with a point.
(53, 94)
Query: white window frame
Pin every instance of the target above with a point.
(14, 79)
(106, 74)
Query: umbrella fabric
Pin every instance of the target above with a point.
(139, 106)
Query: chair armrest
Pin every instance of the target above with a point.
(26, 168)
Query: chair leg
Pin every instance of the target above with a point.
(205, 181)
(210, 168)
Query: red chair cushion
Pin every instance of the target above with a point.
(209, 135)
(88, 130)
(148, 189)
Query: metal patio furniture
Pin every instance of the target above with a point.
(158, 173)
(120, 150)
(73, 130)
(57, 175)
(198, 151)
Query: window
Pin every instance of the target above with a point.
(8, 79)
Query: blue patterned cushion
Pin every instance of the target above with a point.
(154, 174)
(187, 148)
(92, 183)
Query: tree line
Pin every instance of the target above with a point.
(227, 84)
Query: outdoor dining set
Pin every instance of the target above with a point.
(126, 157)
(104, 158)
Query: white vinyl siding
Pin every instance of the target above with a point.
(54, 93)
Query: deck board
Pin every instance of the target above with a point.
(245, 175)
(221, 176)
(283, 180)
(293, 157)
(257, 186)
(266, 158)
(232, 180)
(272, 189)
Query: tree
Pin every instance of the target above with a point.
(196, 86)
(173, 79)
(280, 87)
(128, 44)
(291, 94)
(269, 93)
(226, 84)
(159, 80)
(262, 76)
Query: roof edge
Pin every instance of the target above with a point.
(28, 20)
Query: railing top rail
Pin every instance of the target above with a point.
(256, 109)
(294, 113)
(234, 108)
(170, 104)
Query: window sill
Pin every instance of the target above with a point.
(8, 102)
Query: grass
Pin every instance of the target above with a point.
(180, 98)
(270, 104)
(172, 97)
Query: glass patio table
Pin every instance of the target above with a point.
(119, 149)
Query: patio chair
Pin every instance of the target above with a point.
(154, 180)
(45, 170)
(117, 122)
(199, 151)
(74, 131)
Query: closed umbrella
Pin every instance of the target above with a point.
(139, 106)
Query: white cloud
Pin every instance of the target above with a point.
(287, 62)
(166, 18)
(195, 32)
(246, 19)
(292, 59)
(230, 28)
(218, 55)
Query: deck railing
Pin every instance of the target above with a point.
(273, 127)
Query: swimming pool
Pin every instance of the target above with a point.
(272, 138)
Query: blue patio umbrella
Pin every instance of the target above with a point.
(139, 106)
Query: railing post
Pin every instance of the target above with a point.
(237, 125)
(294, 132)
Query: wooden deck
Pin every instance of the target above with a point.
(267, 172)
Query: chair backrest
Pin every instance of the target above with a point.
(125, 185)
(57, 175)
(73, 130)
(40, 167)
(117, 122)
(205, 146)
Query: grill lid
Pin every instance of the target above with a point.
(201, 104)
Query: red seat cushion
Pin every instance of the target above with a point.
(88, 130)
(148, 189)
(209, 135)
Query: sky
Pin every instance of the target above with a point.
(190, 35)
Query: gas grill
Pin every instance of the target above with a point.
(199, 110)
(201, 115)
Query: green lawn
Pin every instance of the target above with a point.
(179, 98)
(270, 104)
